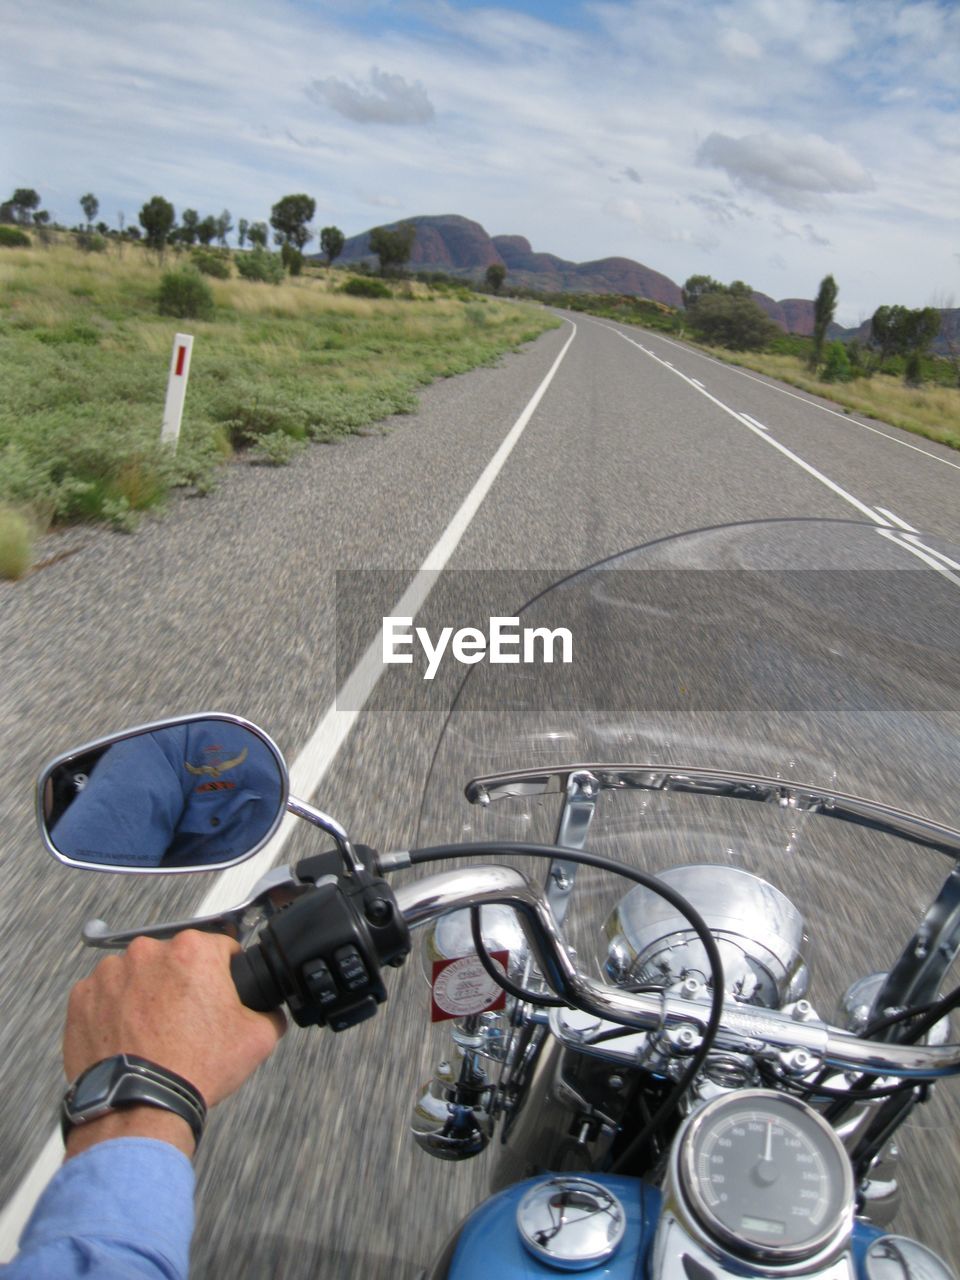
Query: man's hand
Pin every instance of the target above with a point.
(175, 1004)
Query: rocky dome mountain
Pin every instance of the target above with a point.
(457, 246)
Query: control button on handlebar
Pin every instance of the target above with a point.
(319, 982)
(350, 968)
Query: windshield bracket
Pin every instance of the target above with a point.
(579, 806)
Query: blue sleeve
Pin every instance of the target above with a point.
(129, 809)
(122, 1210)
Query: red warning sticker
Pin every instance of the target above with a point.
(462, 987)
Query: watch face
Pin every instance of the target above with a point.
(95, 1087)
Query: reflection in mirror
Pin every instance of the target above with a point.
(185, 794)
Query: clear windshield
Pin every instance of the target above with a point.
(824, 652)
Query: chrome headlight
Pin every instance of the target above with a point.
(758, 931)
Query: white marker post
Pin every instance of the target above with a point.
(176, 388)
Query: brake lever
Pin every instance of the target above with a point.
(273, 891)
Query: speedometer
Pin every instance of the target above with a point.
(765, 1176)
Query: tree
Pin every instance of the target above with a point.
(289, 218)
(393, 246)
(495, 275)
(733, 322)
(331, 242)
(189, 222)
(41, 218)
(90, 206)
(898, 331)
(257, 233)
(823, 309)
(224, 227)
(207, 230)
(697, 286)
(242, 227)
(739, 289)
(156, 218)
(24, 200)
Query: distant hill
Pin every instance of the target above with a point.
(451, 243)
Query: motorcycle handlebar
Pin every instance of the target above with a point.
(744, 1029)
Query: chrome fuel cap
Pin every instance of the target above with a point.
(898, 1258)
(571, 1223)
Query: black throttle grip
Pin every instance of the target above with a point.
(255, 984)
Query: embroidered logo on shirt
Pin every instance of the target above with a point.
(215, 770)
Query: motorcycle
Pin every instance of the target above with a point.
(722, 1095)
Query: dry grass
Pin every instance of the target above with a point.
(932, 411)
(84, 356)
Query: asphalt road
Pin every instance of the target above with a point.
(230, 603)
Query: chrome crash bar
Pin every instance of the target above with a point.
(743, 1029)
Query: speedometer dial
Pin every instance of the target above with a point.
(765, 1176)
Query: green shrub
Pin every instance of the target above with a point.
(292, 259)
(81, 333)
(475, 315)
(837, 367)
(211, 263)
(261, 266)
(185, 295)
(89, 242)
(13, 238)
(16, 543)
(361, 288)
(275, 449)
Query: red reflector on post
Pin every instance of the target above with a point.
(181, 358)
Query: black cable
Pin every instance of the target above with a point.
(440, 853)
(817, 1090)
(501, 979)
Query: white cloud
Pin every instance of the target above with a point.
(389, 99)
(657, 226)
(740, 44)
(796, 172)
(528, 124)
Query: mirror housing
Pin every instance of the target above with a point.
(194, 793)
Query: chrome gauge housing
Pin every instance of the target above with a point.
(762, 1177)
(758, 930)
(449, 937)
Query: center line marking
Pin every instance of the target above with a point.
(806, 399)
(761, 434)
(909, 541)
(896, 520)
(306, 773)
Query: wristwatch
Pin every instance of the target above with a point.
(128, 1081)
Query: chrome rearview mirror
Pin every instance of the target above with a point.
(191, 794)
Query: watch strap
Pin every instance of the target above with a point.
(132, 1082)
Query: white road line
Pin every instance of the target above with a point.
(914, 539)
(896, 520)
(924, 553)
(306, 773)
(697, 383)
(795, 395)
(762, 434)
(935, 559)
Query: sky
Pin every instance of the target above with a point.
(772, 141)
